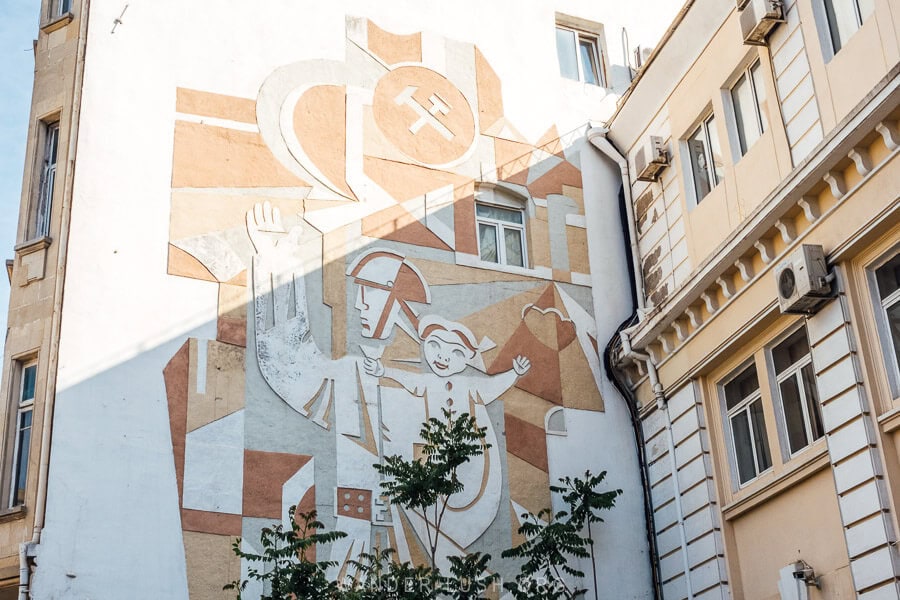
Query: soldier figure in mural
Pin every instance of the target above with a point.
(373, 420)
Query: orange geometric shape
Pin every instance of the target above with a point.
(176, 379)
(220, 106)
(183, 264)
(392, 48)
(354, 503)
(232, 330)
(320, 122)
(264, 476)
(512, 159)
(464, 225)
(207, 156)
(396, 224)
(203, 521)
(550, 142)
(552, 182)
(490, 96)
(424, 115)
(404, 181)
(544, 379)
(526, 441)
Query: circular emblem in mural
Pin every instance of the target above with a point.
(424, 115)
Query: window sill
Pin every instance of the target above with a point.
(890, 421)
(13, 514)
(810, 462)
(471, 260)
(31, 257)
(57, 23)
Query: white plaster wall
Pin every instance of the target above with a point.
(113, 525)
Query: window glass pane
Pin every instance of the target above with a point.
(888, 277)
(793, 413)
(744, 115)
(759, 88)
(699, 164)
(791, 350)
(513, 241)
(499, 214)
(565, 49)
(588, 51)
(715, 150)
(487, 242)
(816, 429)
(23, 445)
(841, 21)
(758, 425)
(741, 387)
(893, 318)
(740, 431)
(28, 377)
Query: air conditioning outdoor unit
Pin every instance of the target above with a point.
(759, 18)
(651, 159)
(804, 283)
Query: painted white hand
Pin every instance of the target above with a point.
(373, 367)
(521, 365)
(264, 227)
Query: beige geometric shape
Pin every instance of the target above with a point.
(224, 386)
(210, 563)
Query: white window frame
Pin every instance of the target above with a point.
(883, 322)
(22, 406)
(500, 226)
(597, 52)
(705, 124)
(38, 224)
(743, 406)
(794, 370)
(759, 118)
(831, 28)
(61, 7)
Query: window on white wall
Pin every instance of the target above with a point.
(796, 383)
(844, 18)
(747, 425)
(748, 97)
(705, 157)
(24, 411)
(887, 280)
(39, 214)
(580, 56)
(501, 234)
(61, 7)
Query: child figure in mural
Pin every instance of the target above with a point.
(456, 381)
(343, 394)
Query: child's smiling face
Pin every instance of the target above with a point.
(443, 356)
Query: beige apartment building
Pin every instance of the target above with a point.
(763, 199)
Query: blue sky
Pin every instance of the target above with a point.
(18, 27)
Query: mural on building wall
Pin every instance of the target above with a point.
(385, 245)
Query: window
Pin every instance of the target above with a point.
(844, 18)
(60, 7)
(796, 384)
(887, 279)
(748, 97)
(39, 217)
(579, 56)
(743, 403)
(706, 158)
(24, 403)
(501, 234)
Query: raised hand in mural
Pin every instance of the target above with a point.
(373, 367)
(287, 354)
(521, 365)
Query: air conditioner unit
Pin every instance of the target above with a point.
(759, 18)
(804, 283)
(651, 158)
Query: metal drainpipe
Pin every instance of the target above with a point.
(53, 354)
(662, 404)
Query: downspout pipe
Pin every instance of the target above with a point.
(597, 137)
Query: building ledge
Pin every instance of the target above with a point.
(29, 246)
(31, 255)
(12, 514)
(57, 22)
(816, 460)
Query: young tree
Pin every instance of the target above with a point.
(426, 484)
(380, 577)
(287, 570)
(584, 504)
